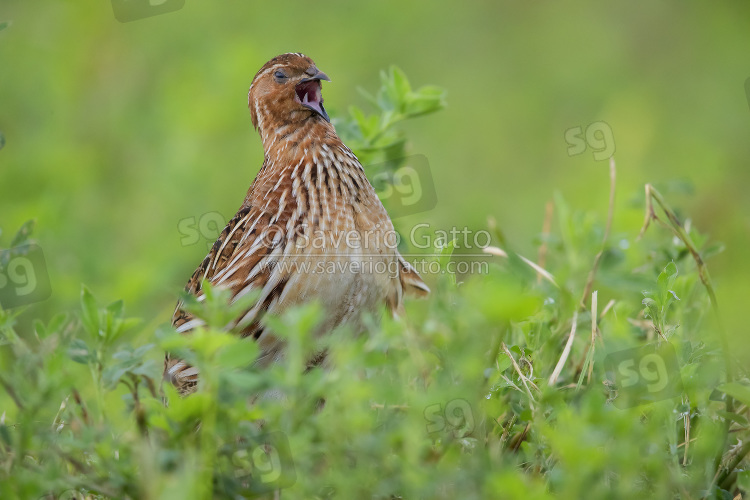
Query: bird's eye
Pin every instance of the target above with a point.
(279, 75)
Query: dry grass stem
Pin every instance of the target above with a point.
(566, 351)
(499, 252)
(520, 374)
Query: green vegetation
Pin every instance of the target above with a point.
(513, 382)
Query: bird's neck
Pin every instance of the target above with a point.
(301, 151)
(291, 134)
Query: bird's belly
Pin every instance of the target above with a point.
(345, 280)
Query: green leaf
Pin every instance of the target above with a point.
(3, 25)
(149, 368)
(57, 322)
(112, 374)
(445, 253)
(123, 355)
(89, 313)
(425, 100)
(652, 308)
(242, 353)
(241, 379)
(170, 340)
(23, 234)
(80, 353)
(54, 326)
(296, 322)
(116, 309)
(713, 249)
(367, 125)
(116, 327)
(371, 136)
(399, 82)
(734, 417)
(391, 92)
(737, 391)
(743, 480)
(5, 435)
(39, 328)
(503, 362)
(665, 281)
(140, 351)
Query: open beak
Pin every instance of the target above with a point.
(309, 95)
(318, 76)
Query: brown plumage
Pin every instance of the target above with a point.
(311, 226)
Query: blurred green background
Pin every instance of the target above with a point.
(115, 132)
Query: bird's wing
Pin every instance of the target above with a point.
(221, 251)
(241, 260)
(410, 284)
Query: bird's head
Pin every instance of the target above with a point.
(286, 90)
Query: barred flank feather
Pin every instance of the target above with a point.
(292, 238)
